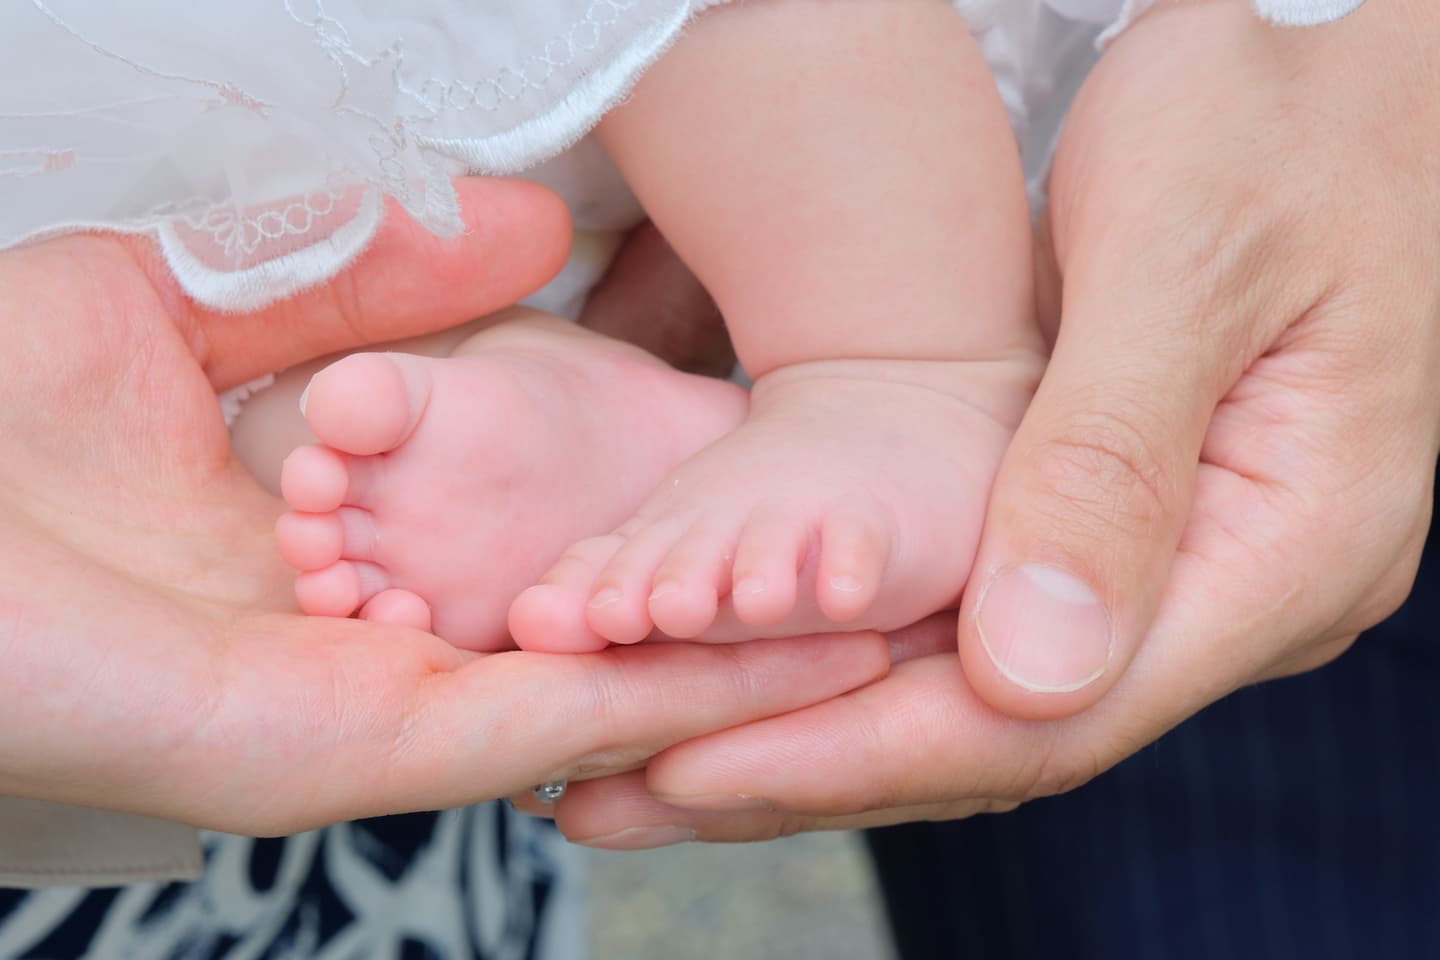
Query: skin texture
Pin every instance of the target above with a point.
(153, 659)
(651, 299)
(880, 297)
(449, 483)
(853, 492)
(1234, 445)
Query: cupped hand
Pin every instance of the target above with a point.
(1226, 474)
(153, 662)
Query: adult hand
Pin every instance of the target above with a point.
(1227, 471)
(152, 663)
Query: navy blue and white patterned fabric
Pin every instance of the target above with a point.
(1295, 820)
(483, 883)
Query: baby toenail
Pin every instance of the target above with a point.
(750, 586)
(845, 584)
(605, 597)
(667, 589)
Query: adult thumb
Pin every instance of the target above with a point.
(408, 282)
(1090, 501)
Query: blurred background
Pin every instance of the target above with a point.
(804, 897)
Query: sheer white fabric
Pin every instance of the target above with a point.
(257, 141)
(1288, 13)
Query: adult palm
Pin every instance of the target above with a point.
(1233, 449)
(153, 661)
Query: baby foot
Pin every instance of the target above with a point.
(444, 486)
(852, 495)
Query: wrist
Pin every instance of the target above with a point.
(1365, 81)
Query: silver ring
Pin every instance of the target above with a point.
(550, 791)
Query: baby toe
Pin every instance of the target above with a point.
(367, 403)
(397, 608)
(551, 617)
(546, 619)
(314, 479)
(690, 581)
(309, 541)
(853, 555)
(340, 589)
(767, 562)
(618, 607)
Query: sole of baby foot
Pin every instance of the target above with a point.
(451, 484)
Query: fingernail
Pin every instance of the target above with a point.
(845, 584)
(304, 396)
(605, 597)
(641, 838)
(719, 802)
(664, 589)
(1045, 630)
(750, 586)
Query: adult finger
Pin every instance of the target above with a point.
(619, 813)
(623, 801)
(407, 282)
(919, 742)
(370, 725)
(918, 739)
(1166, 297)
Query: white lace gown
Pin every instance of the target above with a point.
(256, 140)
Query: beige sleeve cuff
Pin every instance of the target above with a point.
(50, 844)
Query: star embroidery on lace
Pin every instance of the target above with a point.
(232, 96)
(31, 163)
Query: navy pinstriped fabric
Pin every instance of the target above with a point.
(1297, 819)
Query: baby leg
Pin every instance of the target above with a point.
(852, 195)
